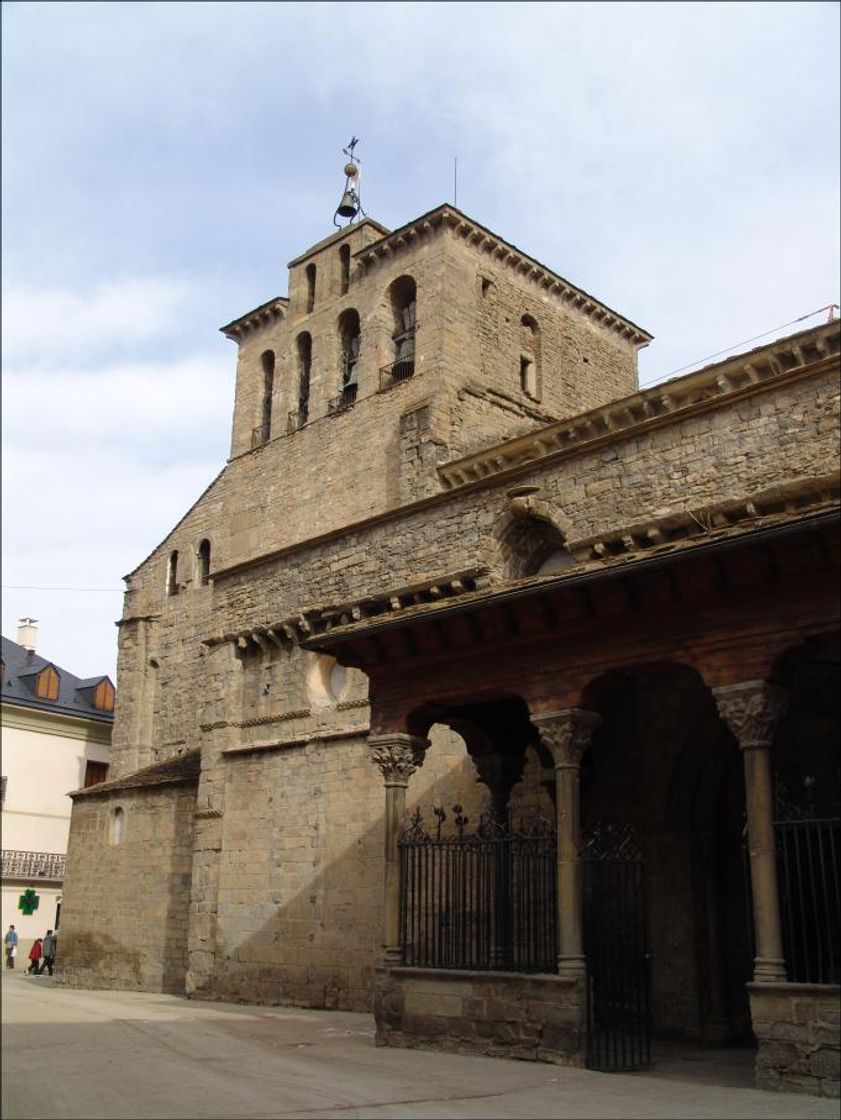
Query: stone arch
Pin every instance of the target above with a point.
(402, 304)
(663, 762)
(807, 775)
(527, 538)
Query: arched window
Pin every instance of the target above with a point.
(203, 563)
(263, 433)
(172, 574)
(46, 685)
(530, 358)
(117, 824)
(310, 274)
(344, 264)
(403, 293)
(350, 341)
(297, 420)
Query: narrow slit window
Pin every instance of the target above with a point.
(304, 370)
(310, 274)
(172, 574)
(265, 430)
(344, 263)
(203, 563)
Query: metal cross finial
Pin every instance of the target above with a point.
(348, 151)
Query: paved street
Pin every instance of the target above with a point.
(115, 1055)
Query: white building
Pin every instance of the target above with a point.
(56, 732)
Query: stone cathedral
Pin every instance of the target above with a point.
(483, 689)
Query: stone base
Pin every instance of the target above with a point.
(797, 1034)
(502, 1014)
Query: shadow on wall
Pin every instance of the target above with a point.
(124, 918)
(320, 948)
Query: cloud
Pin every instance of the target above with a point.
(42, 324)
(102, 454)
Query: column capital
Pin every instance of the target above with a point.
(398, 755)
(752, 711)
(567, 733)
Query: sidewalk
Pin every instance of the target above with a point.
(138, 1056)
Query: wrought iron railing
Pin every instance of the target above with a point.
(486, 901)
(259, 435)
(808, 855)
(401, 370)
(33, 865)
(344, 400)
(296, 419)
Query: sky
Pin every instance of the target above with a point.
(162, 162)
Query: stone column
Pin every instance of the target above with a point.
(567, 735)
(752, 711)
(398, 756)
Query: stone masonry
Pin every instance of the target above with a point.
(248, 861)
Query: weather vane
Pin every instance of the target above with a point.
(350, 206)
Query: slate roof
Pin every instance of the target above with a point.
(75, 694)
(183, 769)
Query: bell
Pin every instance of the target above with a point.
(348, 207)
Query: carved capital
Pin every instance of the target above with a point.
(397, 755)
(752, 711)
(567, 734)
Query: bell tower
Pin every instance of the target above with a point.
(397, 351)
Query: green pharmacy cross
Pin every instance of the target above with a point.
(28, 902)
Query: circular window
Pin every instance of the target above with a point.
(326, 680)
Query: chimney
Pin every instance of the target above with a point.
(28, 633)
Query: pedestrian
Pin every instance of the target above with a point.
(11, 944)
(35, 957)
(48, 947)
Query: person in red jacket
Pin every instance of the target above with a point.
(35, 956)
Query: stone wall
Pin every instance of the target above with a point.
(798, 1031)
(125, 912)
(503, 1015)
(293, 878)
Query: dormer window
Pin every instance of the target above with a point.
(103, 696)
(46, 684)
(310, 275)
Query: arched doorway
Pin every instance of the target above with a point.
(664, 778)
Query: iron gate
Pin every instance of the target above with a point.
(484, 900)
(616, 947)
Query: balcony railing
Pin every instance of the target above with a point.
(33, 865)
(344, 400)
(260, 435)
(401, 370)
(296, 419)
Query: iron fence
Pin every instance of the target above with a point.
(401, 370)
(486, 901)
(296, 419)
(810, 899)
(259, 435)
(33, 865)
(344, 400)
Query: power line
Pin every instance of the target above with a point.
(29, 587)
(830, 307)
